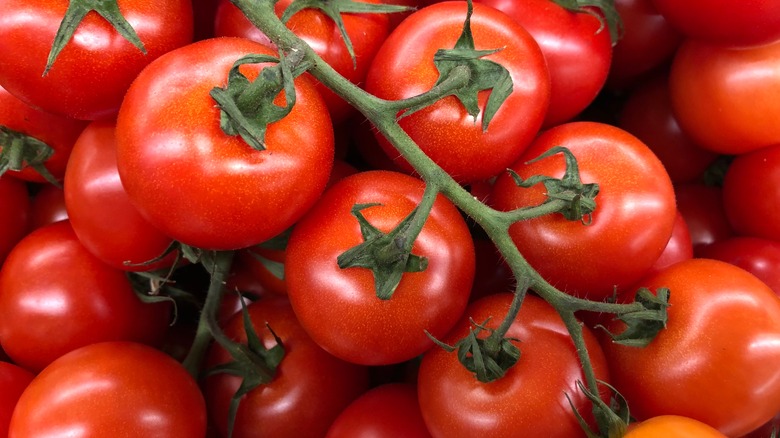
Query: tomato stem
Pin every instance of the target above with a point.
(20, 150)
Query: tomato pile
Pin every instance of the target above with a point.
(416, 218)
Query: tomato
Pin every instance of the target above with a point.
(492, 272)
(445, 131)
(308, 391)
(718, 354)
(530, 399)
(367, 32)
(13, 380)
(48, 206)
(386, 411)
(111, 389)
(201, 186)
(15, 205)
(765, 431)
(723, 97)
(340, 308)
(57, 132)
(672, 426)
(751, 195)
(758, 256)
(98, 206)
(728, 22)
(632, 222)
(679, 247)
(647, 42)
(576, 46)
(56, 297)
(647, 113)
(703, 210)
(97, 52)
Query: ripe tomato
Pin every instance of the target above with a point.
(366, 32)
(97, 52)
(751, 193)
(724, 98)
(340, 308)
(201, 186)
(679, 247)
(671, 426)
(576, 46)
(13, 379)
(718, 354)
(57, 132)
(727, 22)
(760, 257)
(530, 399)
(632, 223)
(445, 131)
(57, 297)
(703, 210)
(98, 206)
(48, 206)
(111, 389)
(310, 387)
(386, 411)
(15, 205)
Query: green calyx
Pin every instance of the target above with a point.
(612, 418)
(388, 256)
(247, 107)
(642, 326)
(20, 150)
(77, 10)
(334, 8)
(484, 75)
(578, 200)
(603, 10)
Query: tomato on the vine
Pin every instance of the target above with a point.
(671, 426)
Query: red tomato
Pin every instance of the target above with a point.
(724, 98)
(340, 308)
(57, 297)
(530, 399)
(672, 426)
(386, 411)
(15, 205)
(57, 132)
(647, 113)
(366, 32)
(576, 46)
(97, 52)
(111, 389)
(760, 257)
(728, 22)
(445, 131)
(679, 247)
(702, 208)
(48, 206)
(751, 193)
(201, 186)
(13, 380)
(723, 326)
(632, 223)
(309, 390)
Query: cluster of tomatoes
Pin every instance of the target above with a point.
(127, 154)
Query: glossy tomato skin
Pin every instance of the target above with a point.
(672, 426)
(445, 131)
(309, 390)
(100, 212)
(58, 132)
(13, 379)
(679, 247)
(576, 47)
(724, 98)
(632, 223)
(367, 32)
(726, 22)
(88, 79)
(47, 206)
(751, 195)
(759, 256)
(530, 400)
(339, 307)
(717, 354)
(111, 389)
(15, 205)
(702, 208)
(199, 185)
(386, 411)
(56, 297)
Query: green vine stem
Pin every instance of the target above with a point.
(383, 115)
